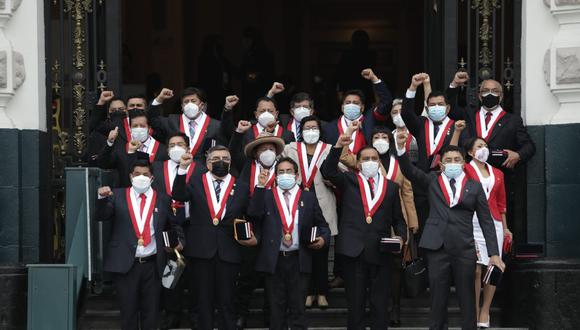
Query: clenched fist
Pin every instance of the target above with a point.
(276, 88)
(105, 191)
(243, 126)
(231, 102)
(165, 94)
(460, 79)
(344, 140)
(134, 145)
(105, 97)
(416, 81)
(402, 139)
(368, 74)
(186, 160)
(460, 125)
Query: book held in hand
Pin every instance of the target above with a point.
(242, 230)
(492, 276)
(387, 244)
(313, 234)
(170, 239)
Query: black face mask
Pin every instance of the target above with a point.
(117, 114)
(220, 168)
(134, 112)
(490, 101)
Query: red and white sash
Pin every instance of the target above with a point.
(277, 131)
(289, 217)
(393, 168)
(448, 193)
(196, 140)
(255, 173)
(291, 127)
(487, 188)
(371, 205)
(217, 210)
(141, 224)
(482, 131)
(434, 143)
(169, 180)
(308, 172)
(358, 138)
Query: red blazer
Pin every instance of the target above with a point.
(496, 198)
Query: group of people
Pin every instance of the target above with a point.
(380, 172)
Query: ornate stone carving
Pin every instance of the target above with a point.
(546, 67)
(568, 65)
(18, 69)
(567, 2)
(3, 69)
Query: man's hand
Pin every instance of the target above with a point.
(271, 127)
(401, 243)
(368, 74)
(185, 161)
(243, 126)
(416, 81)
(496, 261)
(231, 102)
(134, 145)
(512, 159)
(426, 79)
(507, 232)
(414, 230)
(249, 242)
(263, 177)
(105, 97)
(165, 94)
(105, 191)
(344, 140)
(402, 139)
(460, 79)
(317, 244)
(353, 127)
(113, 135)
(460, 125)
(276, 88)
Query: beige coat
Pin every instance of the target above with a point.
(324, 194)
(406, 189)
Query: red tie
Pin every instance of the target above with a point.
(487, 119)
(372, 186)
(143, 200)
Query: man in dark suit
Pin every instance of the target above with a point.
(119, 155)
(215, 200)
(135, 253)
(371, 207)
(448, 235)
(203, 132)
(353, 109)
(284, 218)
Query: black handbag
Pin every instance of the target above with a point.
(415, 271)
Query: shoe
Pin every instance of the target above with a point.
(337, 282)
(395, 316)
(322, 302)
(170, 321)
(240, 323)
(484, 325)
(309, 301)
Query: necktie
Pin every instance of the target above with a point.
(298, 135)
(435, 129)
(192, 125)
(143, 200)
(218, 189)
(287, 200)
(487, 119)
(453, 188)
(372, 186)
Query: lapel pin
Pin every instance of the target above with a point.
(156, 210)
(301, 204)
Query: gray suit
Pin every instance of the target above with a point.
(448, 241)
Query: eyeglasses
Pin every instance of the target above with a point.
(495, 91)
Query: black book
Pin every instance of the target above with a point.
(313, 234)
(387, 244)
(242, 230)
(170, 239)
(493, 276)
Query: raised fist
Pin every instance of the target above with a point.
(460, 125)
(460, 78)
(231, 102)
(416, 81)
(113, 135)
(243, 126)
(134, 145)
(105, 97)
(344, 140)
(276, 88)
(186, 160)
(368, 74)
(165, 94)
(402, 139)
(105, 191)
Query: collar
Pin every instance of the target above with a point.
(148, 193)
(457, 180)
(292, 191)
(350, 121)
(494, 112)
(199, 120)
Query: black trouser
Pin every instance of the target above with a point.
(319, 276)
(358, 275)
(442, 266)
(139, 292)
(396, 275)
(214, 281)
(286, 294)
(248, 281)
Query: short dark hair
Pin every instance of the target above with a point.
(217, 147)
(140, 163)
(115, 99)
(363, 149)
(180, 134)
(307, 119)
(194, 91)
(384, 130)
(289, 160)
(300, 97)
(136, 114)
(356, 92)
(450, 148)
(137, 96)
(437, 94)
(468, 145)
(266, 99)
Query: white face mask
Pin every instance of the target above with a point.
(286, 181)
(266, 118)
(370, 168)
(141, 183)
(351, 111)
(398, 120)
(381, 145)
(482, 154)
(140, 133)
(267, 158)
(300, 113)
(191, 110)
(311, 136)
(175, 153)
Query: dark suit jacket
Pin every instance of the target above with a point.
(373, 115)
(159, 174)
(207, 240)
(452, 228)
(508, 133)
(416, 125)
(356, 236)
(120, 252)
(268, 228)
(116, 157)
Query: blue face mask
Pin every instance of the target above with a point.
(351, 111)
(453, 170)
(436, 112)
(286, 181)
